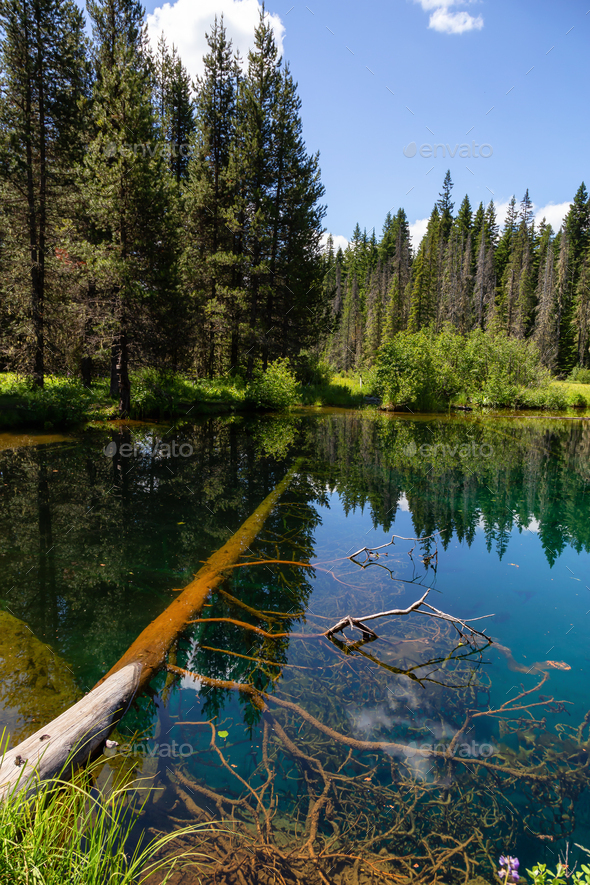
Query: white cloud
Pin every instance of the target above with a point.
(450, 22)
(501, 212)
(340, 242)
(417, 231)
(454, 22)
(427, 5)
(186, 22)
(553, 213)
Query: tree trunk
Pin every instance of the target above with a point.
(123, 384)
(114, 387)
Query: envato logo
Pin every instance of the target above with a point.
(126, 450)
(467, 450)
(165, 149)
(474, 149)
(163, 751)
(471, 750)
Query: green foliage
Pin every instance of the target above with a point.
(342, 392)
(309, 368)
(402, 371)
(68, 835)
(422, 370)
(63, 402)
(543, 876)
(274, 437)
(159, 394)
(580, 375)
(276, 388)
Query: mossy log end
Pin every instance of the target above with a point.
(78, 733)
(72, 738)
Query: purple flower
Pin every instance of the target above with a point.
(510, 871)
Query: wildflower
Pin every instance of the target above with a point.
(509, 872)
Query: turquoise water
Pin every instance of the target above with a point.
(92, 548)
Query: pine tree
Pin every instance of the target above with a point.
(457, 275)
(577, 231)
(485, 273)
(563, 300)
(398, 295)
(295, 306)
(132, 250)
(546, 321)
(425, 289)
(506, 241)
(45, 74)
(507, 293)
(212, 258)
(276, 209)
(174, 107)
(582, 312)
(445, 207)
(522, 265)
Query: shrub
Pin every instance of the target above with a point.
(61, 403)
(424, 370)
(580, 375)
(542, 876)
(403, 373)
(310, 369)
(276, 388)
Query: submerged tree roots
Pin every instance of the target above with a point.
(350, 788)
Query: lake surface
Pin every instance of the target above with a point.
(325, 758)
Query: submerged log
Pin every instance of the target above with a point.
(152, 644)
(77, 734)
(72, 738)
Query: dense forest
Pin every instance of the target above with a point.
(150, 221)
(144, 219)
(525, 281)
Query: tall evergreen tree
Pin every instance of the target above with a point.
(577, 239)
(582, 312)
(445, 207)
(44, 74)
(546, 321)
(174, 107)
(425, 289)
(486, 233)
(276, 209)
(212, 259)
(398, 296)
(132, 245)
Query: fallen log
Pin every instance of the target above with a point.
(68, 741)
(152, 644)
(72, 738)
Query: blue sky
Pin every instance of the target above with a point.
(378, 78)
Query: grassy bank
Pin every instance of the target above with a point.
(69, 833)
(65, 402)
(340, 390)
(576, 395)
(426, 371)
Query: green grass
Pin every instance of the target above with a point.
(64, 402)
(576, 395)
(339, 391)
(64, 833)
(157, 395)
